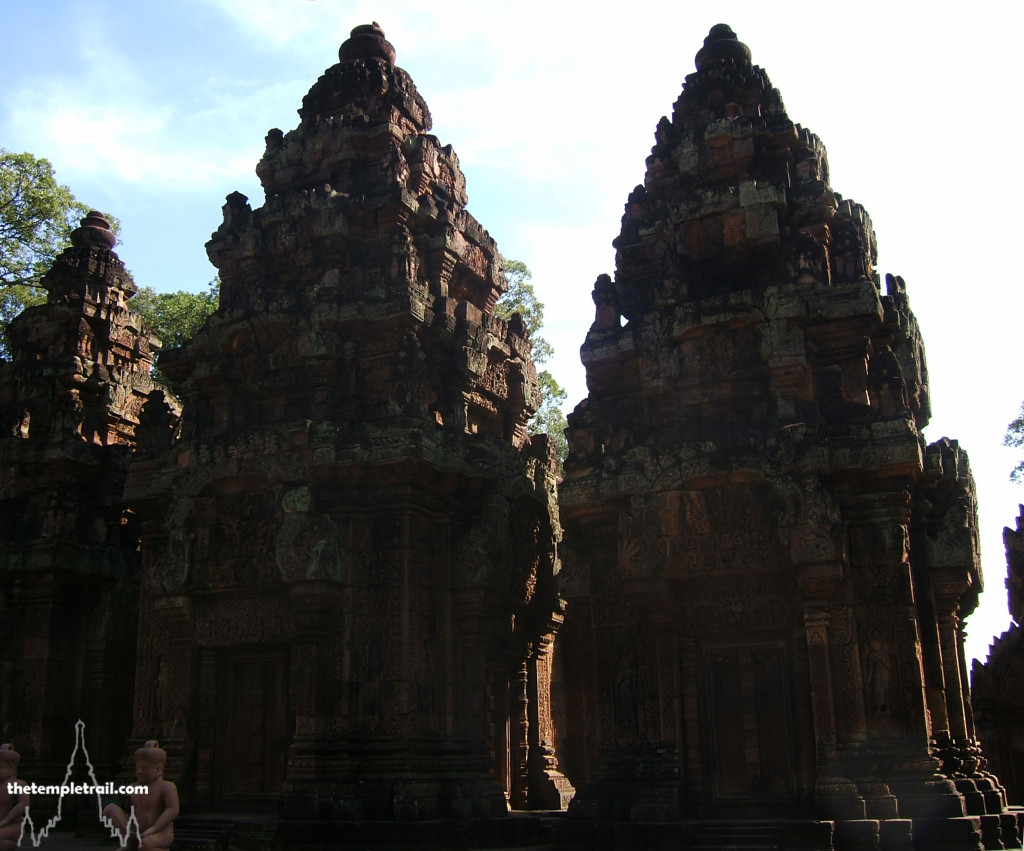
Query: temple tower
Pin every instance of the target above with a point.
(997, 686)
(766, 568)
(70, 403)
(349, 555)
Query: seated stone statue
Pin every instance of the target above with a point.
(156, 809)
(12, 805)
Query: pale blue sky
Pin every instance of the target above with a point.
(154, 112)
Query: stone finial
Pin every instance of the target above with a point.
(721, 43)
(367, 42)
(94, 230)
(9, 755)
(152, 752)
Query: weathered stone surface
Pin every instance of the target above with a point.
(997, 686)
(337, 568)
(70, 402)
(354, 533)
(766, 567)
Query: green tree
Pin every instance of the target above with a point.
(37, 216)
(1014, 437)
(521, 298)
(176, 317)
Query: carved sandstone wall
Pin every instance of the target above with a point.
(348, 568)
(70, 403)
(766, 567)
(355, 533)
(998, 684)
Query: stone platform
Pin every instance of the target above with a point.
(553, 831)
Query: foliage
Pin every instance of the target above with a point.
(549, 418)
(1014, 437)
(176, 317)
(37, 216)
(521, 298)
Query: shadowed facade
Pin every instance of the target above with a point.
(349, 553)
(330, 580)
(71, 410)
(997, 685)
(766, 567)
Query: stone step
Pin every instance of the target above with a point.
(195, 843)
(200, 833)
(737, 842)
(737, 837)
(730, 846)
(194, 834)
(739, 830)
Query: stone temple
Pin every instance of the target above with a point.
(351, 542)
(359, 604)
(998, 685)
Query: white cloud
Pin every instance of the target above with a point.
(137, 142)
(101, 116)
(293, 24)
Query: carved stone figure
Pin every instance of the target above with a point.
(154, 810)
(878, 675)
(12, 803)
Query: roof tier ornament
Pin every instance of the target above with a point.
(94, 230)
(721, 43)
(367, 42)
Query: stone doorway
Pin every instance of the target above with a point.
(500, 729)
(749, 754)
(252, 733)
